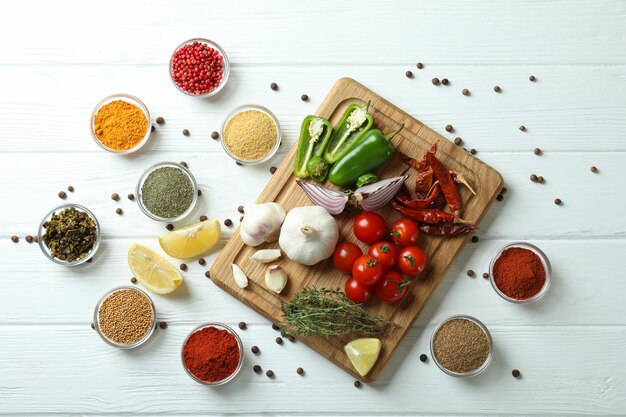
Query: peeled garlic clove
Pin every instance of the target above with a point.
(240, 278)
(275, 278)
(266, 256)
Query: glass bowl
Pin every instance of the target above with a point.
(473, 372)
(42, 231)
(139, 194)
(544, 261)
(225, 69)
(219, 326)
(129, 99)
(96, 318)
(243, 108)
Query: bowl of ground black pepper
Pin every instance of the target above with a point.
(212, 354)
(125, 317)
(167, 192)
(461, 346)
(251, 134)
(520, 273)
(120, 124)
(69, 235)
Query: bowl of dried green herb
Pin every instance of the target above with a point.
(69, 235)
(167, 192)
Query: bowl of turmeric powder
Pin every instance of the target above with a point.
(120, 124)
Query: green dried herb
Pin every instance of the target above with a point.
(70, 234)
(329, 313)
(167, 192)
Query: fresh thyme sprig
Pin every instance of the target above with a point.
(328, 312)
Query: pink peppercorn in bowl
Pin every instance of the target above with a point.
(202, 59)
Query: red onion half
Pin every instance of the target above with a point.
(370, 197)
(331, 200)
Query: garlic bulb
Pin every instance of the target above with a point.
(261, 223)
(275, 278)
(309, 234)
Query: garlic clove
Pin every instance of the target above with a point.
(240, 278)
(266, 256)
(275, 278)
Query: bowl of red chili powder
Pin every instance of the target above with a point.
(520, 273)
(199, 67)
(212, 354)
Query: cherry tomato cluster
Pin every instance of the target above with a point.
(381, 270)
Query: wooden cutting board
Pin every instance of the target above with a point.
(414, 140)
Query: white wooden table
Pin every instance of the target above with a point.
(57, 59)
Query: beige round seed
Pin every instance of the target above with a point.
(125, 316)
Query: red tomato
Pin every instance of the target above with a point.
(345, 255)
(404, 232)
(411, 260)
(391, 287)
(369, 227)
(357, 292)
(385, 252)
(367, 270)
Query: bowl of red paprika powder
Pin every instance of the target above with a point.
(212, 354)
(520, 273)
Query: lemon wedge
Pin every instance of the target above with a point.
(152, 270)
(363, 353)
(192, 241)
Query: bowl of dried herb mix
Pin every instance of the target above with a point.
(461, 346)
(120, 124)
(125, 317)
(167, 192)
(69, 235)
(251, 134)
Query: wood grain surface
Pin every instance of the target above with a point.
(414, 139)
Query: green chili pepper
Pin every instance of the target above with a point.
(317, 168)
(314, 135)
(366, 179)
(369, 153)
(353, 125)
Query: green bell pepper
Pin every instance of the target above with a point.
(356, 121)
(317, 168)
(314, 135)
(369, 153)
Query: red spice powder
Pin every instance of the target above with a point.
(211, 354)
(519, 273)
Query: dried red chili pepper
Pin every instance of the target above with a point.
(432, 195)
(449, 229)
(447, 183)
(431, 216)
(424, 178)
